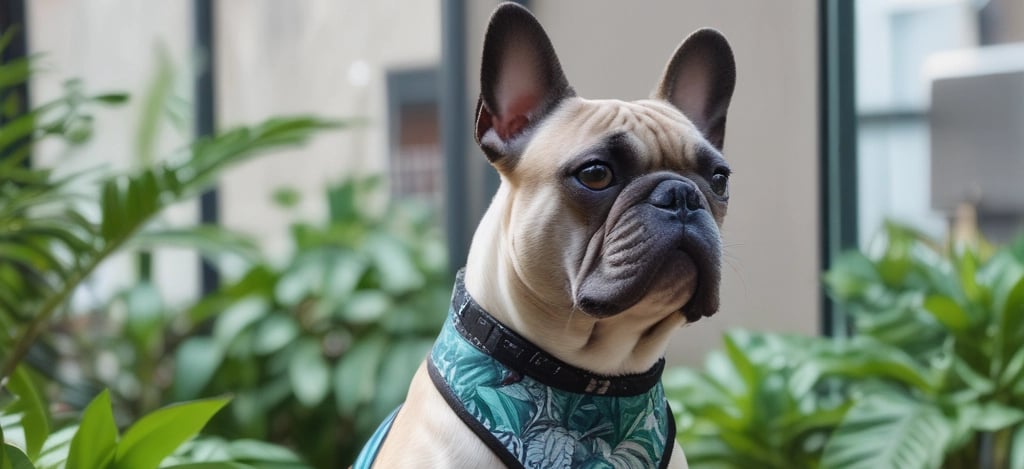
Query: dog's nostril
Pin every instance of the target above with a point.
(664, 197)
(692, 199)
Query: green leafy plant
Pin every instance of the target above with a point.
(321, 349)
(317, 349)
(55, 231)
(932, 376)
(958, 311)
(758, 403)
(162, 438)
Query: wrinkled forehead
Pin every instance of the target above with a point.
(657, 132)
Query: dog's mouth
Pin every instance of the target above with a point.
(658, 252)
(705, 298)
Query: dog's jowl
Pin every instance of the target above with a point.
(603, 238)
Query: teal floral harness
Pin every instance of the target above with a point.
(534, 411)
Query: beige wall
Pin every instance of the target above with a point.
(618, 49)
(112, 45)
(324, 57)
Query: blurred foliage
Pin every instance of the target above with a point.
(55, 231)
(316, 350)
(758, 404)
(320, 350)
(932, 376)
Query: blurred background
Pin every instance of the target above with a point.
(309, 281)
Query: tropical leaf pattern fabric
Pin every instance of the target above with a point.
(544, 427)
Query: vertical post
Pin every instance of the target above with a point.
(454, 122)
(12, 17)
(838, 140)
(205, 121)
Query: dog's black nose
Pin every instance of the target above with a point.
(676, 196)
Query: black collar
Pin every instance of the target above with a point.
(505, 345)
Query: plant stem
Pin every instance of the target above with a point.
(35, 327)
(1001, 448)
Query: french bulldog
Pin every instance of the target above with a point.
(601, 241)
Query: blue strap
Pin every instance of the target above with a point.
(372, 447)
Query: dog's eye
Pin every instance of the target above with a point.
(596, 176)
(720, 184)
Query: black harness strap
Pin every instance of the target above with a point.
(475, 425)
(670, 439)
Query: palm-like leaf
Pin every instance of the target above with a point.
(49, 242)
(751, 408)
(889, 431)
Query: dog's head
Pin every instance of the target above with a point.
(606, 206)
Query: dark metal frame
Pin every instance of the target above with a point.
(838, 140)
(12, 15)
(454, 122)
(206, 121)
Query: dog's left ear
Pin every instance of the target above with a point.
(699, 80)
(521, 81)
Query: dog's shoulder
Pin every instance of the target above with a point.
(428, 433)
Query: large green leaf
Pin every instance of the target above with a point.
(154, 102)
(398, 272)
(1013, 372)
(244, 452)
(145, 314)
(396, 372)
(256, 282)
(851, 276)
(239, 317)
(95, 442)
(304, 277)
(274, 333)
(195, 362)
(1005, 273)
(740, 360)
(861, 358)
(56, 449)
(15, 459)
(993, 416)
(1017, 448)
(367, 306)
(155, 436)
(210, 465)
(355, 375)
(888, 432)
(309, 374)
(35, 419)
(258, 452)
(209, 240)
(343, 275)
(948, 312)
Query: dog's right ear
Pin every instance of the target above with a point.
(521, 81)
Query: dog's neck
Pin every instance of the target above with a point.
(616, 345)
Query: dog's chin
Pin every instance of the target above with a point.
(671, 285)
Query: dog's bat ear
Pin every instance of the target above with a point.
(521, 81)
(699, 80)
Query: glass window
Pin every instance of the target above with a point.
(907, 171)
